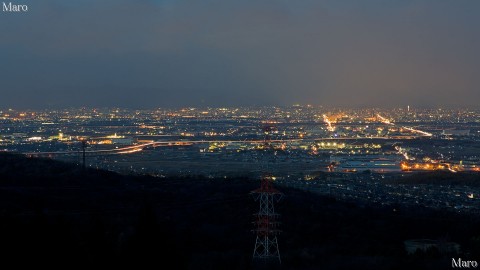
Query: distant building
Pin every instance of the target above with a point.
(374, 163)
(456, 132)
(125, 141)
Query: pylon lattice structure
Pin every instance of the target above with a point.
(266, 244)
(266, 224)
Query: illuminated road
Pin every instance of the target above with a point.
(329, 123)
(388, 122)
(139, 147)
(384, 120)
(423, 133)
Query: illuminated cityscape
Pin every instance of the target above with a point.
(273, 134)
(311, 144)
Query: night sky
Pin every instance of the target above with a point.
(148, 54)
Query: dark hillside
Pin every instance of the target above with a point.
(54, 214)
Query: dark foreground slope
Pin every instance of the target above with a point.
(54, 214)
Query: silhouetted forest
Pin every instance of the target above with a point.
(55, 214)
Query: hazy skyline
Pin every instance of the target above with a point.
(150, 53)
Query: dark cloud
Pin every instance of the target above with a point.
(219, 52)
